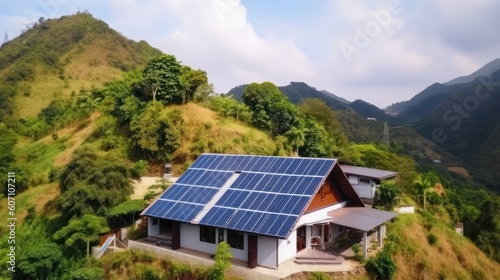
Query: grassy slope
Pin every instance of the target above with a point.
(98, 56)
(205, 131)
(452, 257)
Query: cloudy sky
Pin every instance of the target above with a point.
(381, 51)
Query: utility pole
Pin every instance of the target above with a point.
(386, 135)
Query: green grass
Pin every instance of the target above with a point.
(33, 197)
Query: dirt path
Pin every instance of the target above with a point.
(141, 188)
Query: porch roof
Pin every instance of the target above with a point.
(361, 218)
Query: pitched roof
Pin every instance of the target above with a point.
(257, 194)
(368, 172)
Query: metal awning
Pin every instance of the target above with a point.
(361, 218)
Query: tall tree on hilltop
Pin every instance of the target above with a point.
(162, 77)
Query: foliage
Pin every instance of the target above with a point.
(87, 273)
(387, 195)
(229, 107)
(317, 142)
(222, 261)
(86, 228)
(432, 238)
(162, 77)
(357, 252)
(154, 135)
(382, 266)
(262, 99)
(127, 211)
(319, 111)
(39, 260)
(91, 184)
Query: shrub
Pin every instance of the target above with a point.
(382, 266)
(431, 238)
(357, 252)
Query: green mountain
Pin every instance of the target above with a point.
(57, 58)
(465, 122)
(99, 129)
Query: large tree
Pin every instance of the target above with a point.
(162, 77)
(263, 100)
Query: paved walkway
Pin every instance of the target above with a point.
(239, 269)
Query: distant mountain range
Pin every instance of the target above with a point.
(460, 119)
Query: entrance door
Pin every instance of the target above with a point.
(301, 238)
(166, 228)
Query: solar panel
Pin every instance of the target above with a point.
(267, 197)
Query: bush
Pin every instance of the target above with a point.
(432, 238)
(382, 266)
(357, 252)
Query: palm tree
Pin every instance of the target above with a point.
(296, 138)
(423, 184)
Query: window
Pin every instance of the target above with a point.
(207, 234)
(155, 221)
(235, 239)
(363, 181)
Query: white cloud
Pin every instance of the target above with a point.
(426, 42)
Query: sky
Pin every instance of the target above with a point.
(380, 51)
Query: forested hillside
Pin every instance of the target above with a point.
(462, 119)
(75, 161)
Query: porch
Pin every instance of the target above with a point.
(361, 223)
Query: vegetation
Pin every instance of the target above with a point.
(222, 261)
(75, 156)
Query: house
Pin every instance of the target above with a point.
(266, 208)
(365, 181)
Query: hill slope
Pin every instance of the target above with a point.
(465, 124)
(484, 71)
(58, 57)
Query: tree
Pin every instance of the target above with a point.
(387, 195)
(155, 135)
(93, 184)
(87, 229)
(318, 110)
(162, 76)
(296, 139)
(317, 142)
(423, 184)
(223, 258)
(39, 260)
(262, 99)
(190, 81)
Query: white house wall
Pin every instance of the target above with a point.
(335, 231)
(287, 248)
(318, 215)
(266, 252)
(190, 239)
(153, 229)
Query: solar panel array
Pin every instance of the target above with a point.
(267, 197)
